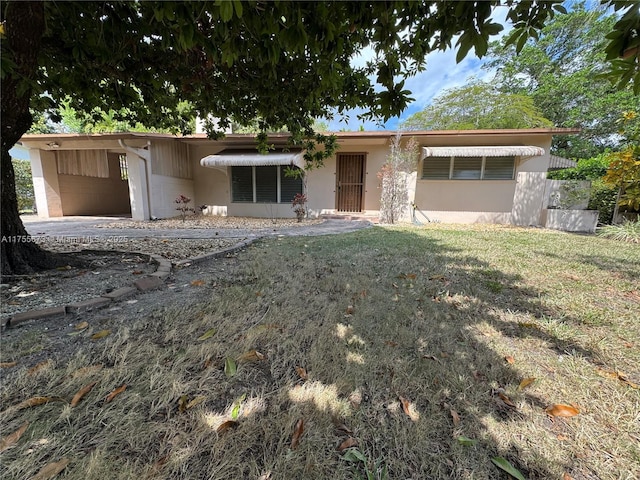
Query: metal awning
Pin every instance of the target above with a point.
(244, 158)
(484, 151)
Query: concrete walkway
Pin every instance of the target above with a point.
(86, 227)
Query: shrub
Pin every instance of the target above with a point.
(625, 232)
(586, 169)
(603, 198)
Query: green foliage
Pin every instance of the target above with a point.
(625, 232)
(586, 169)
(24, 184)
(603, 198)
(564, 71)
(478, 105)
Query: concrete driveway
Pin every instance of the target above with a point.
(88, 227)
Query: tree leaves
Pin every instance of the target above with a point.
(12, 439)
(250, 356)
(81, 393)
(100, 334)
(230, 367)
(206, 335)
(51, 470)
(507, 467)
(525, 382)
(115, 393)
(561, 410)
(297, 433)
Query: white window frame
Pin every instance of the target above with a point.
(482, 171)
(254, 185)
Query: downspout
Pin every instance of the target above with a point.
(144, 156)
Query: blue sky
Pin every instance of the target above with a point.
(441, 73)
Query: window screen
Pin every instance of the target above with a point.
(289, 186)
(436, 168)
(467, 168)
(499, 168)
(267, 184)
(242, 184)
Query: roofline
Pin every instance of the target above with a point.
(284, 136)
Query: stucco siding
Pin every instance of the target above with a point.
(81, 195)
(465, 195)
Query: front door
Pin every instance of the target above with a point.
(350, 181)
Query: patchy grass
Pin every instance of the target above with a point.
(409, 339)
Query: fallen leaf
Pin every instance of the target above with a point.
(405, 404)
(561, 410)
(507, 467)
(137, 272)
(342, 429)
(38, 366)
(526, 382)
(510, 359)
(348, 443)
(506, 400)
(467, 442)
(197, 283)
(391, 344)
(235, 411)
(116, 392)
(208, 334)
(62, 269)
(226, 426)
(623, 378)
(35, 401)
(409, 409)
(431, 357)
(562, 438)
(182, 403)
(81, 393)
(297, 433)
(12, 439)
(51, 470)
(350, 310)
(455, 417)
(250, 356)
(566, 476)
(207, 363)
(230, 367)
(100, 334)
(302, 373)
(196, 401)
(81, 325)
(8, 364)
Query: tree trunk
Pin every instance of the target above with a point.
(24, 26)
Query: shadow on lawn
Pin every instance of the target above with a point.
(423, 338)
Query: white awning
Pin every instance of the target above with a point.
(483, 151)
(243, 158)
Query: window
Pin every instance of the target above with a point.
(263, 184)
(468, 168)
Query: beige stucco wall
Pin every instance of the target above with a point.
(171, 175)
(488, 201)
(212, 187)
(45, 183)
(82, 195)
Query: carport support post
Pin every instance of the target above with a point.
(138, 188)
(44, 171)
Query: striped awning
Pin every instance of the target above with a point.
(243, 158)
(484, 151)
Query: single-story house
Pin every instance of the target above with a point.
(490, 176)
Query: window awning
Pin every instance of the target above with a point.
(484, 151)
(243, 158)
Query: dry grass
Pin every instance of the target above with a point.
(435, 312)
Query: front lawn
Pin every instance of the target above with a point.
(430, 351)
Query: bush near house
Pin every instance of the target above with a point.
(24, 185)
(603, 196)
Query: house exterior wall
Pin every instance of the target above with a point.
(45, 183)
(171, 176)
(211, 185)
(516, 201)
(83, 195)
